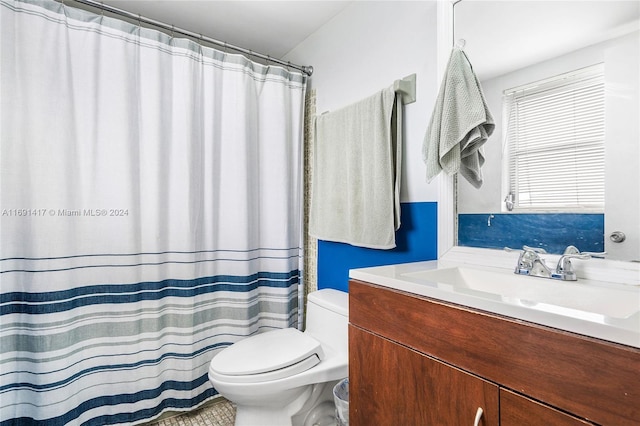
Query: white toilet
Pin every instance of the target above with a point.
(285, 377)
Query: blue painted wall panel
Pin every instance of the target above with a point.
(551, 231)
(416, 240)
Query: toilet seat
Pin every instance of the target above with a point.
(268, 356)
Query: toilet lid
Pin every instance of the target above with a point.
(281, 353)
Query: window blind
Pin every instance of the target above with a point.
(555, 142)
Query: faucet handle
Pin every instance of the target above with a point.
(581, 256)
(595, 254)
(574, 250)
(534, 249)
(528, 258)
(571, 250)
(564, 269)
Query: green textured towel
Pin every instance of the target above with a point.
(460, 124)
(356, 176)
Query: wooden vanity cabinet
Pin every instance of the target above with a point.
(517, 410)
(420, 361)
(395, 385)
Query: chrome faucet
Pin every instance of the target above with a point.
(565, 269)
(530, 263)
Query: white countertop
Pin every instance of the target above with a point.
(612, 288)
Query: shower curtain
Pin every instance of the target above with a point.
(150, 214)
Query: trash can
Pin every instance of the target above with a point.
(341, 398)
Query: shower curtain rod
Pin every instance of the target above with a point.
(308, 70)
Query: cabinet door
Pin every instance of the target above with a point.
(517, 410)
(390, 384)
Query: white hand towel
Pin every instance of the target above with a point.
(356, 177)
(460, 124)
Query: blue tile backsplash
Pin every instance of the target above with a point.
(550, 231)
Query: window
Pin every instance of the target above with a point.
(554, 141)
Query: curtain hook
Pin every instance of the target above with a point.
(173, 28)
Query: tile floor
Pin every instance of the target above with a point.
(219, 413)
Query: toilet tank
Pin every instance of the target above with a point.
(328, 317)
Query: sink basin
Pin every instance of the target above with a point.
(571, 298)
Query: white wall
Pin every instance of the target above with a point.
(364, 49)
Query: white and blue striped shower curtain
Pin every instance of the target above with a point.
(150, 214)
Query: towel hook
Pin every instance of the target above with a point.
(460, 43)
(407, 87)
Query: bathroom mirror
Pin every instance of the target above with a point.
(514, 43)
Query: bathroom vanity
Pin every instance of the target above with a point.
(418, 359)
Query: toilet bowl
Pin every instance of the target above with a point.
(285, 377)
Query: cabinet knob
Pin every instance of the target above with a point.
(479, 413)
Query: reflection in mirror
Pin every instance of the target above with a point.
(543, 50)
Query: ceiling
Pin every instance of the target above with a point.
(269, 27)
(502, 36)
